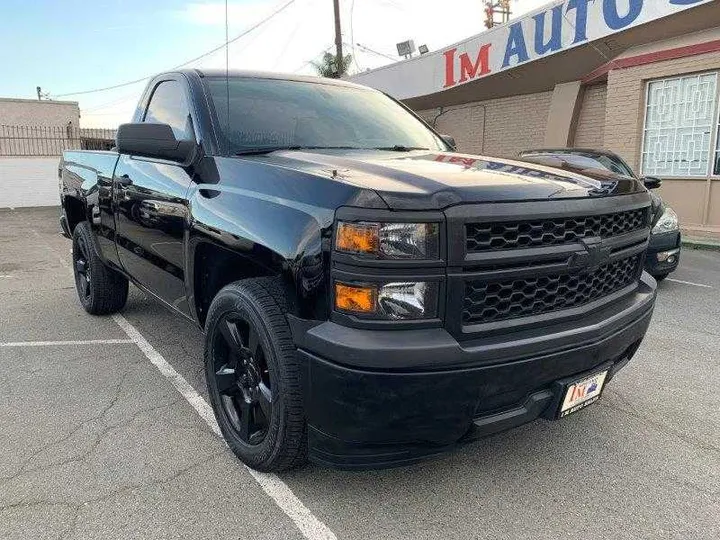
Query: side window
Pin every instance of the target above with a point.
(168, 105)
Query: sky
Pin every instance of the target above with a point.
(67, 46)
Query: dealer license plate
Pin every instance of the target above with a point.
(582, 393)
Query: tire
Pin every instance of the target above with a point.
(660, 277)
(101, 290)
(253, 377)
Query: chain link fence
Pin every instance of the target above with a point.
(52, 140)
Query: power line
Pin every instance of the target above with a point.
(208, 53)
(368, 49)
(291, 37)
(393, 4)
(108, 104)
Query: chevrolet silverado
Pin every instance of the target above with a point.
(369, 297)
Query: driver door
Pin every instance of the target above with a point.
(151, 207)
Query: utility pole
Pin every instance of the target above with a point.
(42, 95)
(338, 40)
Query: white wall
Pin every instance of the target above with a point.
(29, 181)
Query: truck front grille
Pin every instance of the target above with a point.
(488, 301)
(551, 231)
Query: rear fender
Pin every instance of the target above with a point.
(86, 176)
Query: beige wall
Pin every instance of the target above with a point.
(687, 198)
(496, 127)
(626, 100)
(564, 107)
(32, 112)
(590, 127)
(694, 199)
(714, 206)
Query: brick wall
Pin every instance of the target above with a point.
(626, 100)
(497, 127)
(590, 129)
(32, 112)
(692, 198)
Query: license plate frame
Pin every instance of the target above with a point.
(582, 392)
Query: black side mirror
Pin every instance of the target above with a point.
(155, 141)
(450, 141)
(651, 182)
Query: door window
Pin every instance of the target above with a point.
(169, 105)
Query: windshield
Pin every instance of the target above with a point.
(585, 160)
(273, 113)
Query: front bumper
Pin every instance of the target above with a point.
(663, 254)
(386, 398)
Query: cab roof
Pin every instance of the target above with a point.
(247, 74)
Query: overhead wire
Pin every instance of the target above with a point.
(288, 41)
(126, 97)
(368, 49)
(203, 55)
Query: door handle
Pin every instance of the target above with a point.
(124, 180)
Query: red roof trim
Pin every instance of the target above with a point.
(651, 58)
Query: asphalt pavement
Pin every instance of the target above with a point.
(105, 433)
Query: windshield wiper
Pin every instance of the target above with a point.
(264, 150)
(270, 149)
(400, 148)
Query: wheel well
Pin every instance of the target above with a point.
(75, 212)
(215, 267)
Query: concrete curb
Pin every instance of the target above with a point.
(700, 243)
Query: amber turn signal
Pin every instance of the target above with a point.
(355, 298)
(357, 237)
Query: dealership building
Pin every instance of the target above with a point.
(637, 77)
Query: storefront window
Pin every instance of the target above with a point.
(680, 118)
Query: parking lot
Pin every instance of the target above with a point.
(106, 433)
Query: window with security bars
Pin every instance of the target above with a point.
(680, 118)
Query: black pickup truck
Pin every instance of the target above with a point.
(369, 297)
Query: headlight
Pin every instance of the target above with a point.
(667, 222)
(389, 240)
(394, 301)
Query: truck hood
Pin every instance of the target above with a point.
(421, 180)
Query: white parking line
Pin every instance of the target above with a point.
(309, 525)
(689, 283)
(54, 343)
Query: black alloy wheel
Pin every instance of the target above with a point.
(83, 274)
(243, 379)
(101, 289)
(253, 376)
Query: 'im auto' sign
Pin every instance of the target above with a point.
(549, 30)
